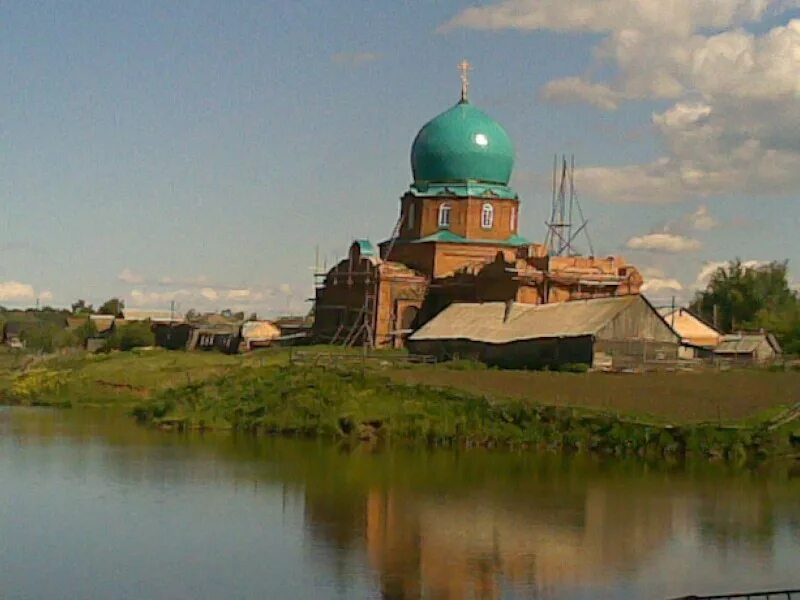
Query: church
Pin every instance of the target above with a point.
(456, 240)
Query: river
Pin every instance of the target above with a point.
(94, 506)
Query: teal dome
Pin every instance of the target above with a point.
(462, 144)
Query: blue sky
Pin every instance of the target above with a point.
(200, 151)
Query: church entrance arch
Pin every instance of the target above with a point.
(409, 318)
(406, 320)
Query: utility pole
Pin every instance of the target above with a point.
(673, 312)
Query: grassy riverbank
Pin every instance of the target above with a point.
(119, 378)
(716, 414)
(369, 406)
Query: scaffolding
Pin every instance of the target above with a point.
(361, 330)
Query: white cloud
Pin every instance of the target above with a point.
(736, 93)
(139, 297)
(575, 90)
(354, 59)
(244, 294)
(710, 267)
(601, 16)
(16, 291)
(651, 272)
(129, 276)
(656, 284)
(46, 296)
(654, 182)
(212, 296)
(701, 219)
(663, 242)
(209, 293)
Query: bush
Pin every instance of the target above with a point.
(130, 336)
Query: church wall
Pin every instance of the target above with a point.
(452, 257)
(395, 297)
(429, 215)
(411, 209)
(465, 217)
(529, 294)
(501, 227)
(419, 257)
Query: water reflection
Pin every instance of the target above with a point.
(400, 523)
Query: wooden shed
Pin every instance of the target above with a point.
(759, 347)
(616, 332)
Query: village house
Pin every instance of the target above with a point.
(208, 332)
(456, 240)
(259, 334)
(698, 338)
(748, 348)
(616, 333)
(133, 315)
(12, 335)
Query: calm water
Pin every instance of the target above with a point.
(92, 506)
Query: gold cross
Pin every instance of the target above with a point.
(464, 67)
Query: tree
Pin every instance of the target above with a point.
(80, 307)
(752, 297)
(113, 306)
(131, 335)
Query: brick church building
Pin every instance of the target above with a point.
(456, 240)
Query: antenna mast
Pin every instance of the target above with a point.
(561, 230)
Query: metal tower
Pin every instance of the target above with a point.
(561, 230)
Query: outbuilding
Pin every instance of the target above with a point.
(758, 347)
(698, 337)
(616, 332)
(259, 334)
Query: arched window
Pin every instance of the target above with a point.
(513, 222)
(444, 215)
(487, 216)
(410, 222)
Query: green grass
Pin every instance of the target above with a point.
(115, 378)
(370, 407)
(465, 403)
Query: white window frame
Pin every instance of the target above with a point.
(445, 211)
(513, 220)
(487, 216)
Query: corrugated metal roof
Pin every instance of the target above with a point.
(103, 323)
(487, 323)
(745, 343)
(140, 314)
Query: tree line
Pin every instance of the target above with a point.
(742, 297)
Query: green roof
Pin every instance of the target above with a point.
(445, 235)
(366, 248)
(465, 189)
(462, 144)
